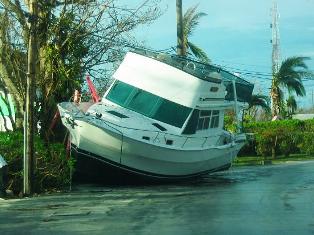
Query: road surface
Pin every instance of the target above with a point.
(277, 199)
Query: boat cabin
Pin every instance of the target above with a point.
(172, 98)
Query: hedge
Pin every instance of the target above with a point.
(282, 137)
(53, 169)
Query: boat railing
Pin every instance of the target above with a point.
(199, 69)
(203, 71)
(154, 136)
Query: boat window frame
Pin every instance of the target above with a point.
(212, 123)
(204, 120)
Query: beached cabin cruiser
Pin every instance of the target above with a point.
(162, 118)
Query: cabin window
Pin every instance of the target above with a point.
(204, 119)
(191, 126)
(215, 119)
(148, 104)
(171, 113)
(208, 119)
(120, 92)
(143, 102)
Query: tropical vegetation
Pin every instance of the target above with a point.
(54, 167)
(191, 20)
(67, 40)
(258, 104)
(72, 38)
(289, 77)
(281, 137)
(186, 25)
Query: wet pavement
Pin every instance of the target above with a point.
(277, 199)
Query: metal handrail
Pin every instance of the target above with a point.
(158, 133)
(79, 115)
(200, 71)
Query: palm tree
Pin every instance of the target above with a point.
(190, 21)
(289, 76)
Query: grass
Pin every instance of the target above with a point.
(259, 160)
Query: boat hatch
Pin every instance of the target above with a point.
(120, 115)
(160, 127)
(146, 138)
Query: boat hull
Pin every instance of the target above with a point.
(107, 147)
(91, 167)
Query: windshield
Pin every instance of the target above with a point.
(148, 104)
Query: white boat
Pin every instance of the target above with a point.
(162, 118)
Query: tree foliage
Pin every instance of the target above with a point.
(12, 66)
(281, 137)
(74, 38)
(54, 167)
(291, 104)
(259, 104)
(191, 19)
(289, 76)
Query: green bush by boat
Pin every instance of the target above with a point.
(53, 168)
(283, 137)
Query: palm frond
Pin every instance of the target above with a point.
(292, 103)
(291, 73)
(191, 20)
(262, 101)
(198, 52)
(296, 86)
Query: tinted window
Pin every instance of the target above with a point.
(172, 113)
(192, 123)
(148, 104)
(120, 92)
(143, 102)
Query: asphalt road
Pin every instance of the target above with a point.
(275, 199)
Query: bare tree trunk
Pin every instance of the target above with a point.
(180, 37)
(29, 166)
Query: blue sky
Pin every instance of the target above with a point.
(237, 34)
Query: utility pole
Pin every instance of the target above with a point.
(29, 159)
(180, 38)
(275, 50)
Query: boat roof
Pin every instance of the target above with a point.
(204, 71)
(179, 79)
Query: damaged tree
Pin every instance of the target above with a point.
(73, 38)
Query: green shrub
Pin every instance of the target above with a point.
(306, 143)
(230, 122)
(282, 137)
(52, 171)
